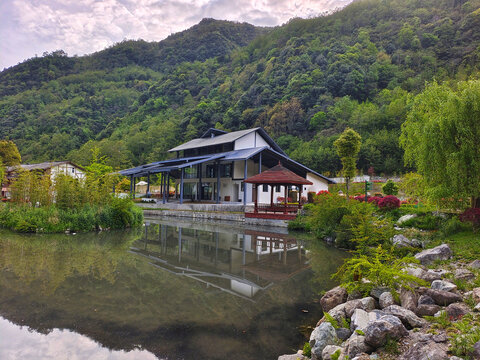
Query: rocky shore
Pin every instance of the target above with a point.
(415, 324)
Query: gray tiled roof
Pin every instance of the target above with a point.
(41, 166)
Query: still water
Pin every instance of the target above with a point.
(168, 290)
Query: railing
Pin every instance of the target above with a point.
(276, 208)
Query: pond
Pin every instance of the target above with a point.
(169, 290)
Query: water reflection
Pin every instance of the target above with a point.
(180, 291)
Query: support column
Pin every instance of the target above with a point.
(148, 185)
(134, 187)
(218, 183)
(200, 188)
(271, 195)
(164, 186)
(245, 184)
(260, 164)
(286, 196)
(181, 185)
(256, 199)
(168, 186)
(131, 185)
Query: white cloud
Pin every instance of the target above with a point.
(29, 27)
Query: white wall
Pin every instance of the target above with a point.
(250, 140)
(67, 169)
(318, 184)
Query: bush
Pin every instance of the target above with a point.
(374, 200)
(471, 215)
(390, 188)
(424, 222)
(389, 202)
(453, 226)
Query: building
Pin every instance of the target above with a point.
(52, 168)
(213, 167)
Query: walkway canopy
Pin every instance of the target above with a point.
(278, 175)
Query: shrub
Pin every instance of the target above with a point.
(471, 215)
(389, 202)
(453, 226)
(424, 222)
(390, 188)
(374, 199)
(311, 196)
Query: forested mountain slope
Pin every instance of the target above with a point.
(304, 82)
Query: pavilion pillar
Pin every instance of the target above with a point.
(164, 186)
(168, 186)
(256, 198)
(181, 185)
(199, 190)
(131, 185)
(260, 164)
(148, 185)
(271, 195)
(245, 184)
(286, 198)
(218, 182)
(134, 187)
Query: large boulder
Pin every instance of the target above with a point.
(464, 274)
(356, 345)
(386, 299)
(345, 310)
(408, 299)
(408, 318)
(359, 320)
(321, 336)
(376, 292)
(401, 241)
(332, 350)
(343, 333)
(456, 311)
(425, 350)
(428, 256)
(387, 327)
(333, 297)
(442, 298)
(443, 285)
(425, 300)
(427, 309)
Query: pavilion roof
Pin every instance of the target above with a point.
(278, 175)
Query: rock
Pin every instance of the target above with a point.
(322, 336)
(345, 310)
(429, 350)
(408, 299)
(427, 309)
(443, 285)
(477, 307)
(401, 241)
(329, 350)
(376, 314)
(476, 350)
(428, 256)
(343, 333)
(440, 338)
(432, 275)
(297, 356)
(407, 317)
(442, 298)
(456, 311)
(359, 320)
(356, 345)
(378, 291)
(362, 356)
(425, 300)
(455, 358)
(333, 297)
(476, 294)
(475, 264)
(404, 218)
(464, 274)
(354, 295)
(387, 326)
(386, 299)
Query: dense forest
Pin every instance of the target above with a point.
(304, 82)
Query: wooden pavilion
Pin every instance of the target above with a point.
(277, 176)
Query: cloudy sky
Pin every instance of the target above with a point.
(31, 27)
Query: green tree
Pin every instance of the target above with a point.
(390, 188)
(348, 146)
(440, 138)
(9, 154)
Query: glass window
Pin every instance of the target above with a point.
(277, 188)
(265, 188)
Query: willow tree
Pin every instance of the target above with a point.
(441, 136)
(348, 146)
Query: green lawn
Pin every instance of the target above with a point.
(465, 245)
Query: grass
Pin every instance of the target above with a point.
(465, 245)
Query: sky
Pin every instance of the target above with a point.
(29, 28)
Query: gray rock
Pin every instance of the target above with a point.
(408, 299)
(442, 298)
(401, 241)
(440, 338)
(464, 274)
(343, 333)
(456, 311)
(476, 294)
(376, 314)
(404, 218)
(333, 297)
(432, 275)
(427, 309)
(297, 356)
(345, 310)
(322, 336)
(477, 307)
(378, 291)
(443, 285)
(359, 320)
(428, 256)
(425, 300)
(475, 264)
(387, 326)
(408, 318)
(356, 345)
(329, 350)
(354, 295)
(429, 350)
(455, 358)
(476, 350)
(386, 299)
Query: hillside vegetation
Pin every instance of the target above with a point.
(304, 82)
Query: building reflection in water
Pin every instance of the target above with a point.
(241, 262)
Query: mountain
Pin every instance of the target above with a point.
(304, 82)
